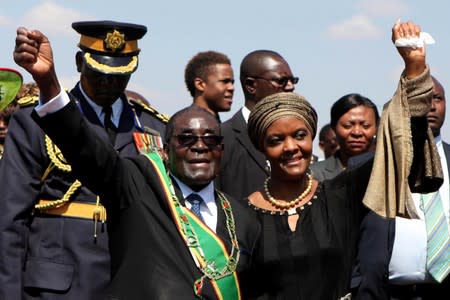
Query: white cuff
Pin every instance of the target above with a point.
(53, 105)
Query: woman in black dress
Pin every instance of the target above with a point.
(310, 228)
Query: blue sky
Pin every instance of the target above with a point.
(335, 47)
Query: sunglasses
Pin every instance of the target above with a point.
(282, 81)
(188, 140)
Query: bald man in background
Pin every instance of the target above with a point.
(243, 168)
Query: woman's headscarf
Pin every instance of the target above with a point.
(277, 106)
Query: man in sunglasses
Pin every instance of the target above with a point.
(172, 234)
(243, 168)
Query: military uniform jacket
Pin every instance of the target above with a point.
(44, 256)
(149, 257)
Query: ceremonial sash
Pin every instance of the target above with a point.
(206, 248)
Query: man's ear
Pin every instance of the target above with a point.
(249, 85)
(165, 154)
(199, 84)
(321, 145)
(79, 61)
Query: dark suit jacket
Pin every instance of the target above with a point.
(243, 168)
(149, 257)
(371, 274)
(48, 257)
(328, 168)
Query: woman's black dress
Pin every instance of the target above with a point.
(315, 261)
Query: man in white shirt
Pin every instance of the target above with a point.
(407, 267)
(392, 257)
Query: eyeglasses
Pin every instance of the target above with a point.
(282, 81)
(188, 140)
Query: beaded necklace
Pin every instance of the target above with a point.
(291, 204)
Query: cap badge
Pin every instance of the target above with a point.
(114, 41)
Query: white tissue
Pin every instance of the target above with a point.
(415, 42)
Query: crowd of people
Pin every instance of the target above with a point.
(105, 197)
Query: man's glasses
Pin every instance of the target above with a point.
(282, 81)
(188, 140)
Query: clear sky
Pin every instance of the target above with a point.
(335, 47)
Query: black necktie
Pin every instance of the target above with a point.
(195, 201)
(109, 125)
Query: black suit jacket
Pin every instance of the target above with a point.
(243, 168)
(149, 258)
(371, 275)
(74, 264)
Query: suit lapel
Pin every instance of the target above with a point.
(88, 112)
(447, 154)
(240, 127)
(333, 165)
(86, 109)
(126, 125)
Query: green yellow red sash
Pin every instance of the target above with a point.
(207, 249)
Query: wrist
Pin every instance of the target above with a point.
(49, 86)
(414, 69)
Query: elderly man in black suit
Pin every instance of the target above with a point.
(172, 235)
(243, 168)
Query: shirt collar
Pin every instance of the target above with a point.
(246, 113)
(117, 108)
(438, 141)
(207, 193)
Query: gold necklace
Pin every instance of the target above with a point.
(291, 204)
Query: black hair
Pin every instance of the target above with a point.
(348, 102)
(199, 67)
(323, 132)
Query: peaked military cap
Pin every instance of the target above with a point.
(110, 47)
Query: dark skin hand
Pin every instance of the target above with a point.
(34, 53)
(414, 58)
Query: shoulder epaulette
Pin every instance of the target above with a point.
(146, 107)
(28, 101)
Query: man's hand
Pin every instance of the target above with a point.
(34, 53)
(414, 58)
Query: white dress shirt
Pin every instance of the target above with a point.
(409, 255)
(117, 108)
(245, 113)
(208, 208)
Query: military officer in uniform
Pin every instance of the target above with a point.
(53, 235)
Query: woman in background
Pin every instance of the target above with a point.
(354, 119)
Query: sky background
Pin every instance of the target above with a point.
(335, 47)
